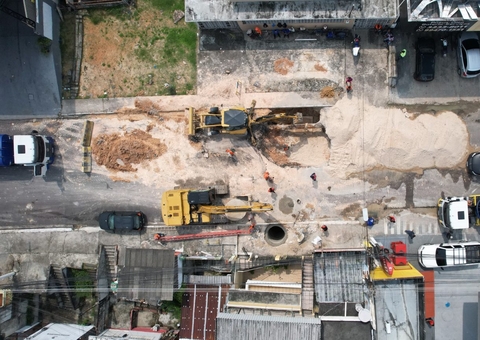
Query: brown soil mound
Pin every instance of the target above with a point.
(118, 152)
(283, 65)
(327, 92)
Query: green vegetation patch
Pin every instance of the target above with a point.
(83, 283)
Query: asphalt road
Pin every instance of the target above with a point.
(68, 197)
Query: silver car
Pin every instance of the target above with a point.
(468, 55)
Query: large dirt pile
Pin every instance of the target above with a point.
(118, 152)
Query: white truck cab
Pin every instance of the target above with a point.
(34, 150)
(453, 212)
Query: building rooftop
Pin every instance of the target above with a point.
(148, 274)
(450, 10)
(264, 327)
(398, 303)
(60, 331)
(339, 276)
(220, 10)
(114, 334)
(200, 307)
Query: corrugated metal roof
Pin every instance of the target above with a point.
(200, 306)
(338, 276)
(254, 327)
(208, 280)
(148, 274)
(61, 331)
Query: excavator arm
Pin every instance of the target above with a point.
(255, 207)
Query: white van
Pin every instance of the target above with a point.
(449, 254)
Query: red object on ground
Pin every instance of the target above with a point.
(271, 189)
(398, 247)
(429, 295)
(391, 218)
(211, 234)
(399, 260)
(387, 265)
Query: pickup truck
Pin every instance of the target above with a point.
(449, 254)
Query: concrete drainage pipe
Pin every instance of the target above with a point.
(275, 235)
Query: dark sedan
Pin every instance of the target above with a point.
(473, 163)
(122, 220)
(425, 60)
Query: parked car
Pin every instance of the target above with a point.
(425, 60)
(468, 55)
(473, 163)
(121, 220)
(449, 254)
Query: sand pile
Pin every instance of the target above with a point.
(391, 138)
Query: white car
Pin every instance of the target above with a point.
(468, 55)
(449, 254)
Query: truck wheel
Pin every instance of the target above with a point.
(213, 110)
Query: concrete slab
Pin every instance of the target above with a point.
(447, 87)
(456, 303)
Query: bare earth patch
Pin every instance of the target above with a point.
(283, 65)
(327, 92)
(320, 68)
(119, 152)
(123, 58)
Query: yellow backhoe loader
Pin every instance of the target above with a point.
(187, 206)
(234, 121)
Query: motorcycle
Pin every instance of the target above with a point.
(356, 45)
(444, 46)
(336, 35)
(389, 38)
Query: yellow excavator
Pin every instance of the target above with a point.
(187, 206)
(235, 121)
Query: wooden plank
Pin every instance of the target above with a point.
(87, 159)
(87, 133)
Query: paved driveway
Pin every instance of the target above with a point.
(447, 87)
(29, 80)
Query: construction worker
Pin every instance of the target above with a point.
(271, 190)
(411, 234)
(403, 53)
(348, 83)
(231, 152)
(313, 177)
(378, 28)
(158, 236)
(324, 227)
(430, 322)
(391, 218)
(267, 177)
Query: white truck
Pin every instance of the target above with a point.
(33, 150)
(449, 254)
(459, 212)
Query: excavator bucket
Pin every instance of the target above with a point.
(191, 121)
